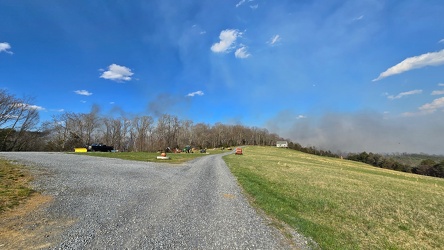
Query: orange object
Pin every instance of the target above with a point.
(238, 151)
(163, 154)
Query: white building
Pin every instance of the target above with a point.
(282, 144)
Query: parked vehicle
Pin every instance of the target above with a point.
(100, 147)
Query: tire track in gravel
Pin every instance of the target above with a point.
(118, 204)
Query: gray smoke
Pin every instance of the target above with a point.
(364, 131)
(168, 104)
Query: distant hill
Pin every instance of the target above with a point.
(414, 159)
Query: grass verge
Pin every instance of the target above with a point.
(343, 204)
(152, 157)
(14, 185)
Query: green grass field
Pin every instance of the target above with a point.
(14, 184)
(152, 157)
(342, 204)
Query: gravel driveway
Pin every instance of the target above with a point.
(118, 204)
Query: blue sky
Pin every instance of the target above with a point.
(343, 75)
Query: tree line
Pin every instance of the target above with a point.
(20, 131)
(426, 167)
(145, 133)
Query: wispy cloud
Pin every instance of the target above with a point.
(240, 3)
(402, 94)
(359, 18)
(428, 59)
(5, 47)
(274, 40)
(253, 7)
(242, 52)
(433, 106)
(441, 41)
(117, 73)
(201, 32)
(57, 110)
(227, 38)
(36, 107)
(199, 93)
(28, 106)
(83, 92)
(438, 92)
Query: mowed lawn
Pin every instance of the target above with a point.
(342, 204)
(152, 157)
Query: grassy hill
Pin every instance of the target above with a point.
(343, 204)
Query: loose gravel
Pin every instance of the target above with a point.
(119, 204)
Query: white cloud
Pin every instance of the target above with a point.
(200, 93)
(429, 108)
(242, 52)
(358, 18)
(401, 95)
(28, 106)
(240, 3)
(227, 38)
(82, 101)
(57, 110)
(35, 107)
(254, 6)
(274, 40)
(428, 59)
(117, 73)
(301, 117)
(438, 92)
(441, 41)
(5, 47)
(83, 92)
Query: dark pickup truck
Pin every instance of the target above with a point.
(100, 147)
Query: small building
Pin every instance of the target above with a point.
(282, 144)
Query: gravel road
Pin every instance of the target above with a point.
(118, 204)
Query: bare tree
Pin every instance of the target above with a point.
(89, 124)
(28, 121)
(7, 108)
(17, 118)
(115, 132)
(56, 133)
(184, 136)
(166, 131)
(201, 135)
(141, 132)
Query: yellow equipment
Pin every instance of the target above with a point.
(80, 150)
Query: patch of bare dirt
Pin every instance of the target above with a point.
(27, 227)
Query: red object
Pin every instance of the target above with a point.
(238, 151)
